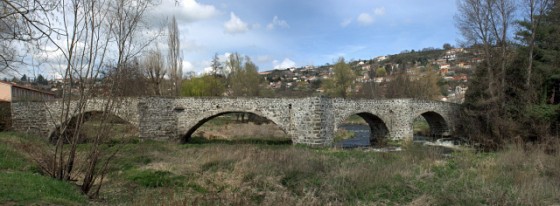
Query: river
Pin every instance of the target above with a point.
(361, 136)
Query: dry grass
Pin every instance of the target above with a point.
(222, 174)
(240, 130)
(165, 173)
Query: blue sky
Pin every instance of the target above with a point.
(285, 33)
(280, 33)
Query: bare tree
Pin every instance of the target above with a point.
(535, 11)
(175, 60)
(155, 70)
(23, 23)
(83, 53)
(486, 24)
(473, 20)
(128, 80)
(87, 31)
(217, 68)
(502, 17)
(127, 21)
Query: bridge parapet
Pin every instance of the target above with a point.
(311, 120)
(42, 118)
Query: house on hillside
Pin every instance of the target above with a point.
(444, 69)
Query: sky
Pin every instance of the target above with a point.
(278, 34)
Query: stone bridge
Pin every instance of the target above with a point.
(310, 121)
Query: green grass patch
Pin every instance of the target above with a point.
(21, 182)
(31, 188)
(10, 159)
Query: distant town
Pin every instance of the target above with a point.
(453, 66)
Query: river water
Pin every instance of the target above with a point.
(361, 136)
(362, 133)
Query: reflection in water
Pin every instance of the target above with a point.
(360, 139)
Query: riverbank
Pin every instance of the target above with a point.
(237, 173)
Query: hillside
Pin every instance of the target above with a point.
(453, 65)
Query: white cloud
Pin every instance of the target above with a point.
(365, 19)
(184, 11)
(187, 66)
(286, 63)
(276, 22)
(235, 25)
(207, 70)
(346, 22)
(380, 11)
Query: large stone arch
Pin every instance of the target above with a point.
(87, 115)
(377, 124)
(439, 124)
(186, 131)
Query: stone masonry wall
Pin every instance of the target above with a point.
(30, 117)
(42, 118)
(397, 114)
(296, 117)
(157, 118)
(310, 121)
(5, 116)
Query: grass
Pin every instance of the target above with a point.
(33, 188)
(239, 173)
(21, 182)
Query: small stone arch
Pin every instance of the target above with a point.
(438, 124)
(87, 115)
(378, 127)
(205, 118)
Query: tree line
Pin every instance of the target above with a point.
(513, 94)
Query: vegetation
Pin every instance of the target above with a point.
(425, 87)
(513, 91)
(255, 174)
(203, 86)
(342, 81)
(420, 126)
(22, 182)
(512, 97)
(244, 77)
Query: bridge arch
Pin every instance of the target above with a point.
(197, 123)
(438, 123)
(87, 116)
(377, 126)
